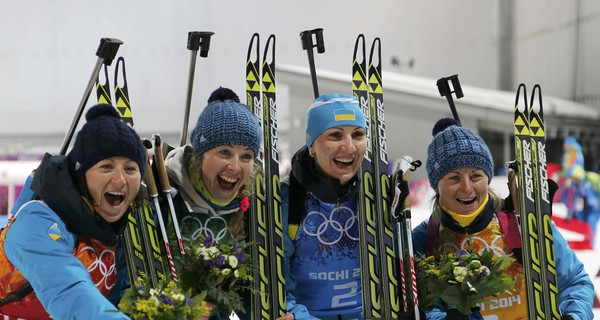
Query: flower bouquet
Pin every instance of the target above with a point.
(165, 302)
(219, 271)
(462, 280)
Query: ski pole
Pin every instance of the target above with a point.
(401, 209)
(443, 85)
(106, 53)
(308, 45)
(166, 187)
(197, 40)
(153, 193)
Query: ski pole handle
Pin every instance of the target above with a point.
(306, 38)
(150, 182)
(160, 165)
(166, 187)
(106, 53)
(197, 41)
(445, 91)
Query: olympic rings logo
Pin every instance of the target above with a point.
(498, 250)
(331, 230)
(197, 228)
(99, 266)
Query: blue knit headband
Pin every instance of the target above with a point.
(225, 121)
(332, 110)
(454, 147)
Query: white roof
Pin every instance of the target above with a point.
(497, 100)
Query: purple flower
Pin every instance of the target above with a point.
(484, 271)
(239, 254)
(166, 300)
(217, 262)
(189, 302)
(208, 241)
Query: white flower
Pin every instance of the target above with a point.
(226, 272)
(236, 273)
(460, 273)
(178, 297)
(155, 300)
(212, 252)
(201, 251)
(154, 292)
(233, 261)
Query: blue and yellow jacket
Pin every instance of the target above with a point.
(576, 291)
(62, 249)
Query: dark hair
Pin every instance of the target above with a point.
(81, 184)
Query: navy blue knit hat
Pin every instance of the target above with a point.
(225, 121)
(454, 147)
(331, 110)
(103, 136)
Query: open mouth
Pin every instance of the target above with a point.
(467, 201)
(227, 183)
(114, 198)
(344, 163)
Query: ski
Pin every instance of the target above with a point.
(536, 240)
(543, 203)
(387, 252)
(271, 165)
(258, 208)
(136, 254)
(266, 228)
(122, 93)
(370, 281)
(103, 89)
(141, 238)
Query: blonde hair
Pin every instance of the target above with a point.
(236, 223)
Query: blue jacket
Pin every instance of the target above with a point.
(321, 253)
(576, 291)
(41, 240)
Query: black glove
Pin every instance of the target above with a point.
(409, 315)
(566, 317)
(453, 314)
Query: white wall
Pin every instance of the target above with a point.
(47, 51)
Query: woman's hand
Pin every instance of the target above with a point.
(288, 316)
(208, 306)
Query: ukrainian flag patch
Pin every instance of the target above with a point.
(344, 115)
(54, 232)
